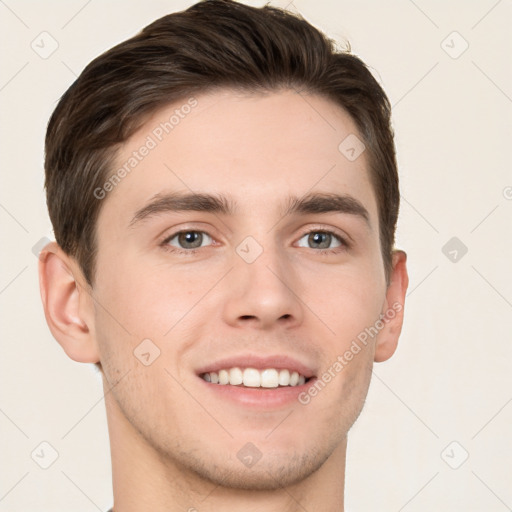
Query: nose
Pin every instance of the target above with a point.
(264, 293)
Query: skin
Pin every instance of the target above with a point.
(174, 447)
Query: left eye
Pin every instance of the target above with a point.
(188, 239)
(196, 239)
(321, 240)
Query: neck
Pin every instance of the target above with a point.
(144, 479)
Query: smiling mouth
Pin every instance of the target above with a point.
(269, 378)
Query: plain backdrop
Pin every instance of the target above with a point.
(435, 432)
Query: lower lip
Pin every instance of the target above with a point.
(265, 398)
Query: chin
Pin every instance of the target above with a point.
(271, 472)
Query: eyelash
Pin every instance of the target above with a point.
(343, 247)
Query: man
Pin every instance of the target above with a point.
(224, 195)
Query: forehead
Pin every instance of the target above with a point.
(252, 147)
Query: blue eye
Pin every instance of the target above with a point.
(187, 239)
(322, 240)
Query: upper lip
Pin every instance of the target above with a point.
(278, 361)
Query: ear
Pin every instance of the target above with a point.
(68, 304)
(393, 311)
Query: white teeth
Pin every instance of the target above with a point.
(269, 378)
(253, 378)
(235, 376)
(284, 377)
(223, 377)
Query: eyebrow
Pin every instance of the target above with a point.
(220, 204)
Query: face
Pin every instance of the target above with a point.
(276, 269)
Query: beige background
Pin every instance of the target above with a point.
(450, 379)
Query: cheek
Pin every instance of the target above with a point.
(350, 309)
(146, 301)
(156, 309)
(346, 302)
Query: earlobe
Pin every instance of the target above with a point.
(67, 305)
(387, 340)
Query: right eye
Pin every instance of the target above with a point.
(187, 240)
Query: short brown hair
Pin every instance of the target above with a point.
(212, 44)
